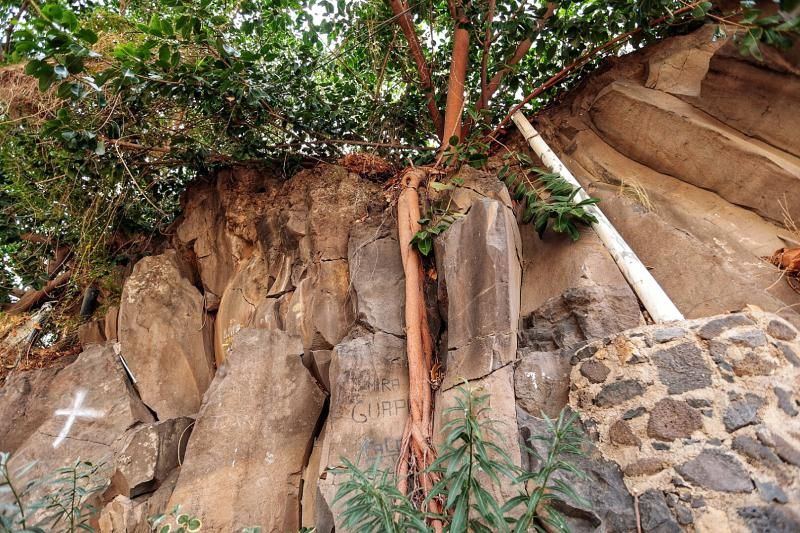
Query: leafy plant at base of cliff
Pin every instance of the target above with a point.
(62, 509)
(470, 460)
(547, 199)
(563, 439)
(372, 502)
(467, 457)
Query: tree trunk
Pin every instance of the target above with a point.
(455, 86)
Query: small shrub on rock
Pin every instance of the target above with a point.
(470, 465)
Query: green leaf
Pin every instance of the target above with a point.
(45, 81)
(749, 43)
(87, 35)
(425, 246)
(64, 90)
(154, 26)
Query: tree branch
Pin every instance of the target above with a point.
(10, 29)
(62, 254)
(401, 11)
(32, 298)
(34, 238)
(519, 54)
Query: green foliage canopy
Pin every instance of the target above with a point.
(138, 97)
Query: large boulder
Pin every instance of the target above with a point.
(701, 223)
(479, 262)
(204, 230)
(148, 456)
(245, 459)
(541, 381)
(319, 310)
(376, 274)
(772, 112)
(126, 515)
(237, 309)
(82, 412)
(165, 337)
(25, 403)
(702, 249)
(368, 409)
(632, 119)
(581, 313)
(679, 66)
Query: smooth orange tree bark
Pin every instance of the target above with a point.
(454, 108)
(417, 451)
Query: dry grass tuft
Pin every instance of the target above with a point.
(631, 189)
(635, 191)
(789, 222)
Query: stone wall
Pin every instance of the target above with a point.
(701, 416)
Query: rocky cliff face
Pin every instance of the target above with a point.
(689, 147)
(267, 341)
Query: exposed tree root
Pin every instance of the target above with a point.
(417, 452)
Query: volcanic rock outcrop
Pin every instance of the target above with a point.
(266, 341)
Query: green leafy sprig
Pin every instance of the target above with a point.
(547, 199)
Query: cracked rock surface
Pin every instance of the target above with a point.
(267, 338)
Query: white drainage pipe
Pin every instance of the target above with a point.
(655, 300)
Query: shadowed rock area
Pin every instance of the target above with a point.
(684, 144)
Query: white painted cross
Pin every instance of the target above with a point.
(74, 412)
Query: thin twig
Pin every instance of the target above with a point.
(135, 184)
